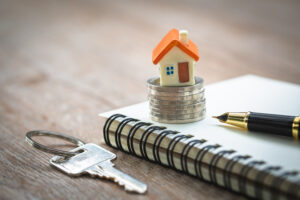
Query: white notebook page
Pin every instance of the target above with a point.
(246, 93)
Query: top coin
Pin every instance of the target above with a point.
(153, 83)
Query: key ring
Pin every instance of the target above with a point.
(46, 149)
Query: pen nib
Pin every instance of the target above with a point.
(222, 117)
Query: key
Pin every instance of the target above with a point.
(96, 161)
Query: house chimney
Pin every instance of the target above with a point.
(183, 36)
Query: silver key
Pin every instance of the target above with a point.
(96, 161)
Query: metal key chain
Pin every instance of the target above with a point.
(86, 159)
(46, 149)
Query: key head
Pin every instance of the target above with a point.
(92, 155)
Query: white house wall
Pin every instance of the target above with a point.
(172, 58)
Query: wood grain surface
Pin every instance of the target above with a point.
(63, 62)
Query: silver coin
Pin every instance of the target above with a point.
(176, 111)
(178, 98)
(177, 116)
(176, 121)
(178, 106)
(154, 84)
(170, 103)
(159, 93)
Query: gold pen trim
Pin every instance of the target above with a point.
(239, 119)
(246, 119)
(295, 128)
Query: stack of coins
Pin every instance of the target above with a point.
(179, 104)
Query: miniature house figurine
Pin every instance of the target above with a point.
(176, 55)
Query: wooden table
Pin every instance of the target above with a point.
(63, 62)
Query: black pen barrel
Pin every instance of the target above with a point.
(270, 123)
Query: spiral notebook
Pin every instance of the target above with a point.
(257, 165)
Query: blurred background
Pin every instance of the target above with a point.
(103, 46)
(63, 62)
(74, 59)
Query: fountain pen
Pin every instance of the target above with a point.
(270, 123)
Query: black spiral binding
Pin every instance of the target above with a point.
(198, 161)
(131, 134)
(276, 183)
(157, 143)
(199, 156)
(145, 135)
(171, 147)
(119, 129)
(260, 177)
(228, 169)
(244, 174)
(214, 163)
(294, 187)
(107, 126)
(185, 152)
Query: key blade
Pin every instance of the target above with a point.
(94, 171)
(130, 184)
(96, 161)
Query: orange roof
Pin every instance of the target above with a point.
(171, 40)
